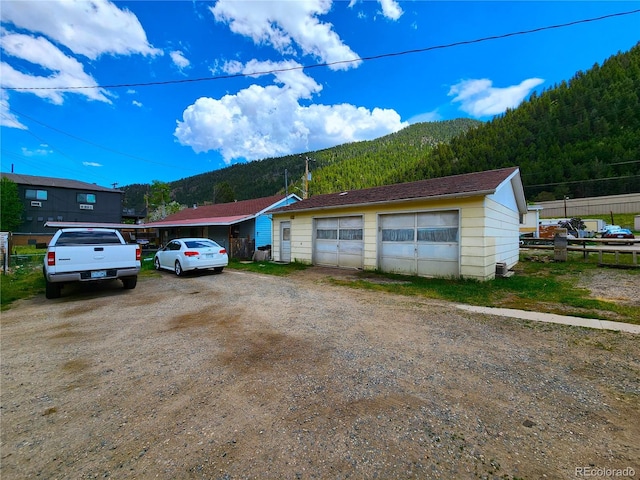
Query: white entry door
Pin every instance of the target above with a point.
(285, 241)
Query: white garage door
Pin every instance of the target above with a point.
(420, 243)
(339, 242)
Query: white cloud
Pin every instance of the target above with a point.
(67, 71)
(391, 9)
(480, 99)
(179, 59)
(136, 103)
(89, 28)
(7, 118)
(40, 152)
(260, 122)
(287, 26)
(433, 116)
(54, 34)
(131, 91)
(92, 164)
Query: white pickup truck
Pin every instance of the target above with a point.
(89, 255)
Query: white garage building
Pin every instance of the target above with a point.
(457, 226)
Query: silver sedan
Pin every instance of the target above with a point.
(185, 254)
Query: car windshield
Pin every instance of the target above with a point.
(201, 244)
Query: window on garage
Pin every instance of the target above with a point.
(327, 229)
(437, 227)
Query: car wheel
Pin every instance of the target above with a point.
(218, 269)
(156, 263)
(129, 283)
(52, 290)
(178, 269)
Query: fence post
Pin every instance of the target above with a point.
(560, 243)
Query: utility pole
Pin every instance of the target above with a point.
(305, 193)
(286, 186)
(306, 177)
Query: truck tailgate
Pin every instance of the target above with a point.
(91, 257)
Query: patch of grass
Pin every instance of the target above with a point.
(536, 286)
(267, 267)
(146, 262)
(625, 220)
(28, 250)
(22, 282)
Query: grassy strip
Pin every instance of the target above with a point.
(269, 268)
(538, 285)
(625, 220)
(23, 282)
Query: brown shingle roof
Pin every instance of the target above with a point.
(37, 181)
(456, 185)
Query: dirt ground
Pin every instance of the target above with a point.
(241, 375)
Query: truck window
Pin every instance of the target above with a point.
(87, 238)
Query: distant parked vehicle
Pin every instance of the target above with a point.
(621, 233)
(185, 254)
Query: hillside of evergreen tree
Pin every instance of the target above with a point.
(349, 166)
(580, 138)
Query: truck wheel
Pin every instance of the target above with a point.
(129, 282)
(52, 290)
(178, 269)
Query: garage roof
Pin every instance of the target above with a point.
(469, 184)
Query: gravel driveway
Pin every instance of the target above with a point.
(241, 375)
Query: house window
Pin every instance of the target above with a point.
(86, 197)
(35, 194)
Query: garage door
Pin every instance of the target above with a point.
(339, 242)
(420, 243)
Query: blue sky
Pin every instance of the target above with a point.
(170, 89)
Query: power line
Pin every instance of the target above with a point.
(108, 149)
(582, 181)
(338, 62)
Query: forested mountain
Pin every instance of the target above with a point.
(580, 138)
(349, 166)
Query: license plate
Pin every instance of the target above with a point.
(209, 255)
(99, 274)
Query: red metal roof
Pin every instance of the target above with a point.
(219, 213)
(457, 185)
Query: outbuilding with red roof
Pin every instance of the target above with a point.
(241, 226)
